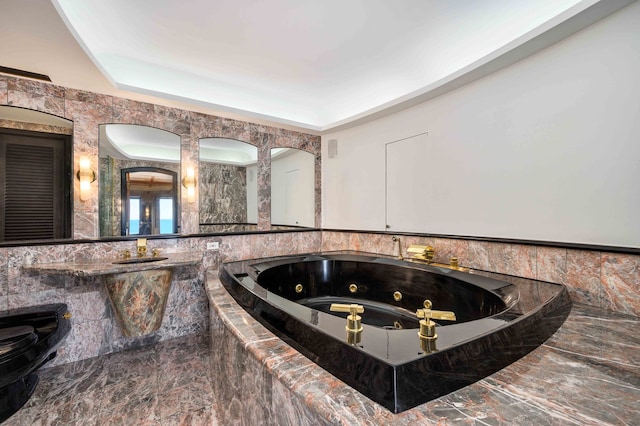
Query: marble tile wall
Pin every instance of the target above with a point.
(88, 110)
(605, 280)
(95, 330)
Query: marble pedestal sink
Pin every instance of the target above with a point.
(138, 288)
(139, 299)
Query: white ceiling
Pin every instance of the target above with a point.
(312, 64)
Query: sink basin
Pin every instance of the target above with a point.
(139, 260)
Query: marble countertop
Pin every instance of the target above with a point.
(107, 266)
(588, 372)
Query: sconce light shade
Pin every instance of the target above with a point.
(189, 182)
(86, 176)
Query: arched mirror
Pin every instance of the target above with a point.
(139, 194)
(35, 175)
(292, 188)
(227, 185)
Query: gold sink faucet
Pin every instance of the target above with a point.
(141, 244)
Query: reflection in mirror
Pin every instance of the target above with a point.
(227, 185)
(35, 175)
(149, 201)
(125, 146)
(292, 188)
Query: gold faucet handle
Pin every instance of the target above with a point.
(429, 252)
(354, 321)
(431, 314)
(353, 309)
(427, 313)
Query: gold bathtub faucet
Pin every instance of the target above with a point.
(424, 254)
(421, 253)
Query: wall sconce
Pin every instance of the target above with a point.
(86, 176)
(189, 182)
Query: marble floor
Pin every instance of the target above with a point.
(165, 384)
(587, 373)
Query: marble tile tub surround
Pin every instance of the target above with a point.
(602, 279)
(94, 329)
(88, 110)
(586, 373)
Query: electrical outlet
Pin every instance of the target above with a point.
(213, 246)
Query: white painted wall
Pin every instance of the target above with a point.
(293, 188)
(546, 149)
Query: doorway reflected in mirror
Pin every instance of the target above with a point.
(149, 200)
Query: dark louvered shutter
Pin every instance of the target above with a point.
(29, 193)
(33, 188)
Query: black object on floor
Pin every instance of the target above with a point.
(29, 337)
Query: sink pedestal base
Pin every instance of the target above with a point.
(139, 299)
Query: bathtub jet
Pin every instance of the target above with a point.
(385, 340)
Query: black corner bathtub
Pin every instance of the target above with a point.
(497, 322)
